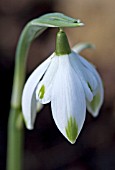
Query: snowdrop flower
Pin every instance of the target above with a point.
(70, 83)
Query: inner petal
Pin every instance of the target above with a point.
(97, 101)
(43, 90)
(87, 78)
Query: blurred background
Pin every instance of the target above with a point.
(44, 147)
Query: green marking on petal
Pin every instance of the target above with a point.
(90, 86)
(95, 102)
(72, 129)
(42, 92)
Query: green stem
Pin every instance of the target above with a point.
(20, 63)
(15, 134)
(15, 141)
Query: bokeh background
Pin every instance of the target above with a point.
(44, 147)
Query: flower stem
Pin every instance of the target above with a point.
(15, 132)
(15, 140)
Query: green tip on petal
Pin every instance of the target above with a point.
(42, 92)
(72, 130)
(89, 86)
(62, 44)
(95, 102)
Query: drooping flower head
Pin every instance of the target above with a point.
(70, 83)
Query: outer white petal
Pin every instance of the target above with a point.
(29, 105)
(94, 106)
(88, 80)
(68, 100)
(82, 46)
(43, 90)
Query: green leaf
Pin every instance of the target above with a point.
(57, 20)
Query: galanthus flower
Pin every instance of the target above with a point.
(70, 83)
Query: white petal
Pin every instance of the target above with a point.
(43, 90)
(96, 103)
(82, 46)
(68, 100)
(88, 80)
(29, 104)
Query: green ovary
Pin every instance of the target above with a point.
(72, 129)
(41, 92)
